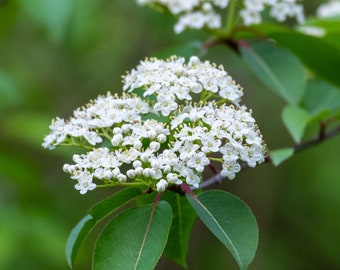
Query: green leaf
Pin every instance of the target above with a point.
(95, 214)
(319, 55)
(134, 239)
(185, 50)
(280, 155)
(321, 96)
(182, 222)
(53, 16)
(330, 26)
(296, 120)
(277, 68)
(231, 221)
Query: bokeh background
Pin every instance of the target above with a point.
(57, 55)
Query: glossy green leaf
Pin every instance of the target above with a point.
(95, 214)
(296, 120)
(134, 239)
(319, 55)
(321, 96)
(277, 68)
(231, 221)
(183, 219)
(280, 155)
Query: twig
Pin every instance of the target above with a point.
(323, 135)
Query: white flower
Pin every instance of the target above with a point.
(161, 185)
(84, 182)
(165, 104)
(230, 168)
(198, 161)
(210, 144)
(312, 30)
(221, 3)
(329, 9)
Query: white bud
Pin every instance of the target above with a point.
(138, 145)
(126, 128)
(139, 170)
(167, 168)
(152, 135)
(121, 177)
(117, 130)
(66, 168)
(155, 164)
(147, 172)
(161, 138)
(137, 164)
(117, 139)
(131, 173)
(144, 157)
(107, 174)
(115, 172)
(154, 146)
(161, 185)
(156, 173)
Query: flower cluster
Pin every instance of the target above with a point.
(172, 81)
(280, 10)
(329, 9)
(195, 14)
(198, 14)
(164, 138)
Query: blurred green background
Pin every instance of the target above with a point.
(54, 57)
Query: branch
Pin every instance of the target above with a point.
(324, 135)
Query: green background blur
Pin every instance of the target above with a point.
(55, 55)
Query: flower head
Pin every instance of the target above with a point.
(329, 9)
(199, 14)
(163, 138)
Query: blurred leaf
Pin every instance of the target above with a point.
(8, 16)
(8, 91)
(182, 221)
(280, 155)
(95, 214)
(317, 54)
(134, 239)
(231, 221)
(296, 120)
(36, 123)
(278, 69)
(51, 15)
(321, 96)
(330, 26)
(10, 161)
(185, 50)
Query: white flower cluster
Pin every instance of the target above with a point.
(164, 138)
(329, 9)
(194, 14)
(104, 112)
(280, 10)
(173, 80)
(198, 14)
